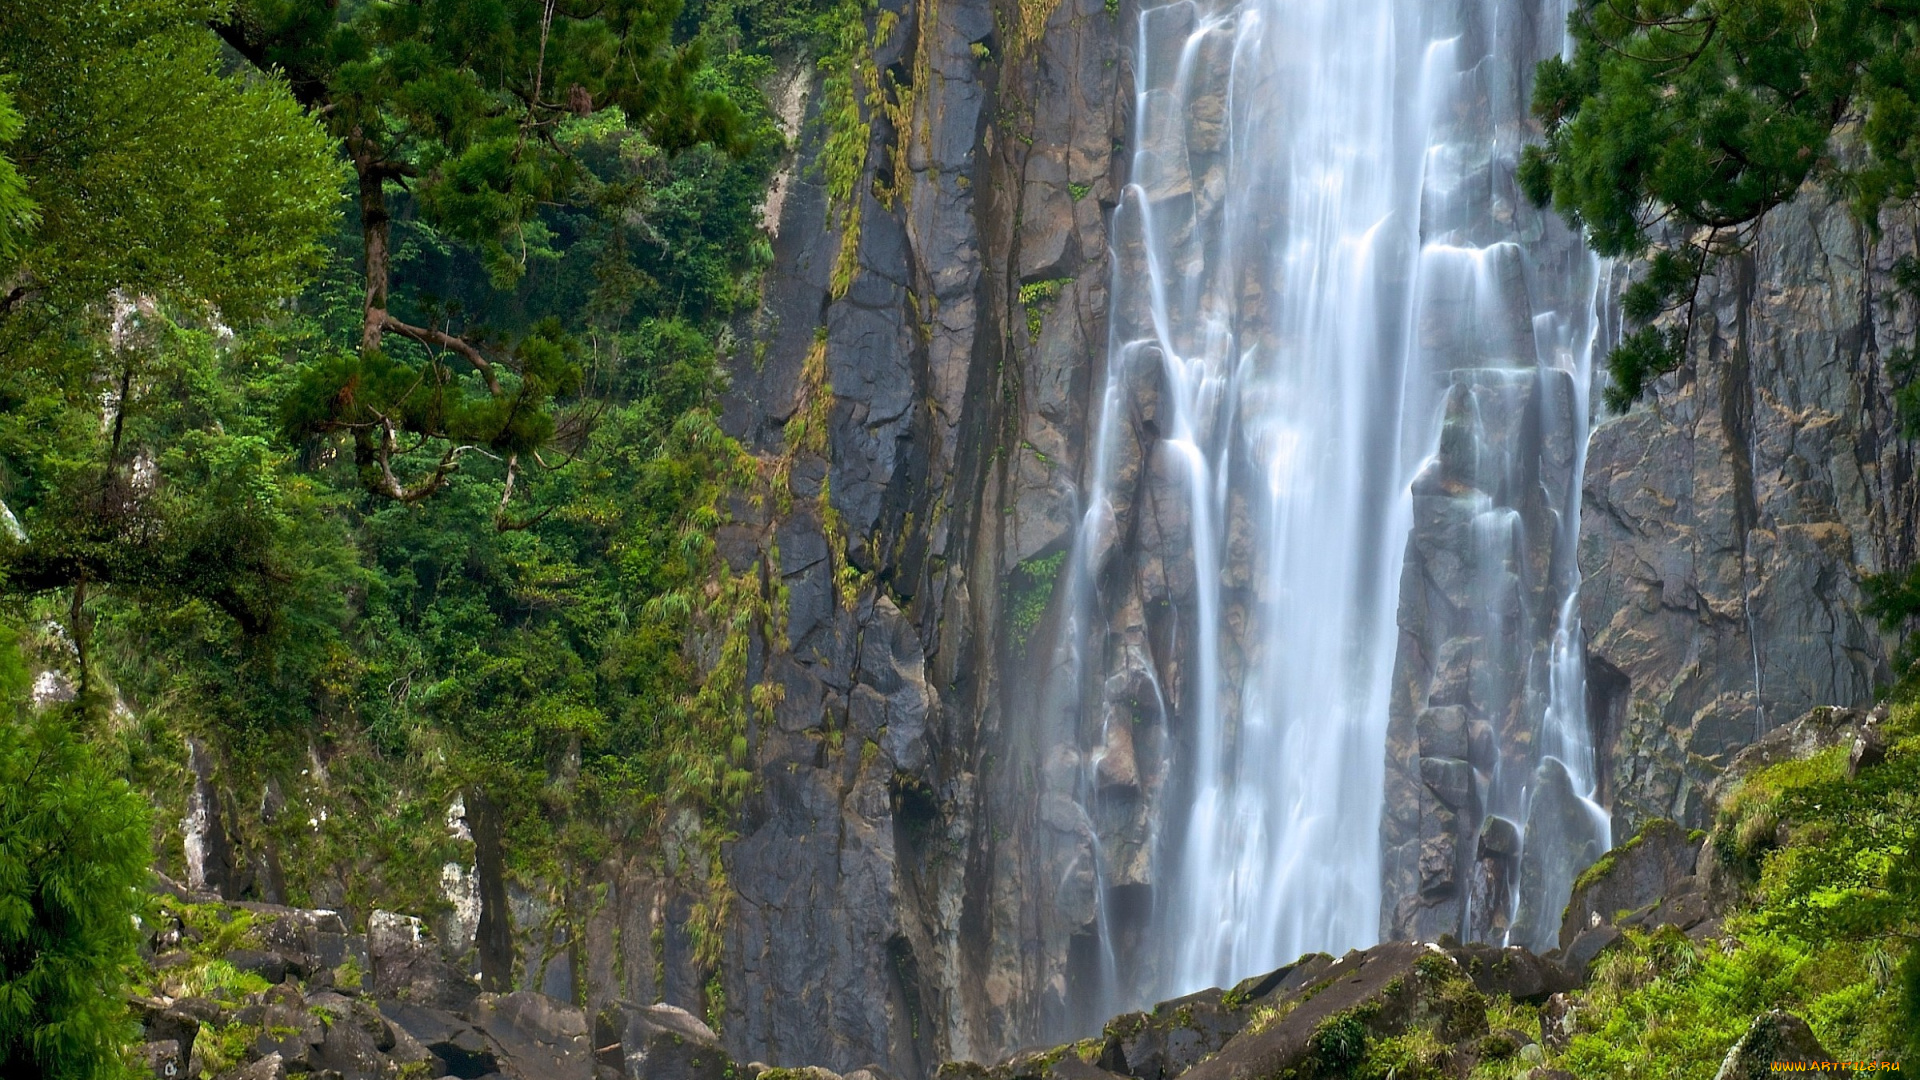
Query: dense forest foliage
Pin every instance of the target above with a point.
(358, 375)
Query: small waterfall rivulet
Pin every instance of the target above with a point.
(1334, 496)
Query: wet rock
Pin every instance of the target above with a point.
(1561, 841)
(1449, 778)
(1775, 1036)
(1657, 863)
(1116, 766)
(1499, 839)
(1443, 731)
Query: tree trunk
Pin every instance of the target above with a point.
(375, 227)
(493, 938)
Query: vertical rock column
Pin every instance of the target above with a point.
(1479, 592)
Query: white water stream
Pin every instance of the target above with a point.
(1321, 236)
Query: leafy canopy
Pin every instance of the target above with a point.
(144, 183)
(1677, 124)
(154, 173)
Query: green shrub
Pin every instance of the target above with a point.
(73, 856)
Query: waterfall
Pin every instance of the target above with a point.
(1330, 302)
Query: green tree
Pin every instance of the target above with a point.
(1677, 124)
(73, 863)
(461, 104)
(149, 191)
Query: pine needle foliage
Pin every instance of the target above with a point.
(1676, 125)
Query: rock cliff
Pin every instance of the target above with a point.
(1729, 518)
(885, 868)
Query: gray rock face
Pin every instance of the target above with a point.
(1729, 517)
(902, 891)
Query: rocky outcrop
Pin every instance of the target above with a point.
(1669, 876)
(258, 990)
(1650, 879)
(1316, 1017)
(1729, 517)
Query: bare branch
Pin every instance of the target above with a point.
(427, 336)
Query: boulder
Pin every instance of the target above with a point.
(656, 1042)
(1322, 1028)
(164, 1059)
(1775, 1036)
(270, 966)
(358, 1043)
(1175, 1035)
(408, 966)
(1168, 1040)
(164, 1021)
(537, 1036)
(1869, 749)
(1639, 877)
(266, 1068)
(1514, 972)
(1814, 731)
(305, 939)
(1579, 954)
(456, 1047)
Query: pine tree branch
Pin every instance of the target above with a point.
(427, 336)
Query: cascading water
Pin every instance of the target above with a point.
(1324, 273)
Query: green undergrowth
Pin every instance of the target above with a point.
(1825, 929)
